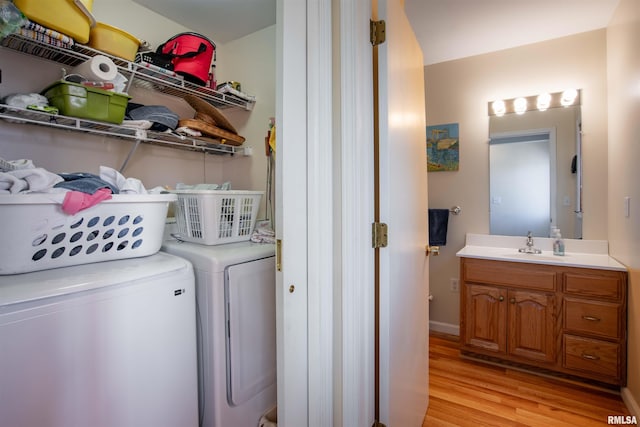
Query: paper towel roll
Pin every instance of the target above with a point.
(99, 69)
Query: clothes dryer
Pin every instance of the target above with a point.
(104, 344)
(236, 316)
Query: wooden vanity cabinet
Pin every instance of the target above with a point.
(508, 310)
(504, 321)
(568, 320)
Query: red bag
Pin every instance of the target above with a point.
(191, 54)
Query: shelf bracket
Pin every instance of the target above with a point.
(132, 151)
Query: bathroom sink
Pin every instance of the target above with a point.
(579, 253)
(534, 257)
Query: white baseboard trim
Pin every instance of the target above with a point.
(630, 402)
(445, 328)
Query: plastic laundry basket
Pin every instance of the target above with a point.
(35, 233)
(213, 217)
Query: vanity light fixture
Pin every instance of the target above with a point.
(520, 105)
(540, 102)
(499, 108)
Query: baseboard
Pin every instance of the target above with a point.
(445, 328)
(630, 402)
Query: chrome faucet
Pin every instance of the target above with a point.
(529, 240)
(530, 249)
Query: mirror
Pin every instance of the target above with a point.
(535, 171)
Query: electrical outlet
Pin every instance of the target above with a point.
(455, 284)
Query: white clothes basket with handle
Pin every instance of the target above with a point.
(214, 217)
(35, 234)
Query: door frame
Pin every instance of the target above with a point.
(324, 196)
(356, 392)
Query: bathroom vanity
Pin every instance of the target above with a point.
(555, 314)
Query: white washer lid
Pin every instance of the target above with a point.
(18, 288)
(215, 258)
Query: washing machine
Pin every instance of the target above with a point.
(236, 320)
(103, 344)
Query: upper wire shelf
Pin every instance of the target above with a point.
(148, 77)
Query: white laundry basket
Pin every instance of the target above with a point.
(35, 234)
(213, 217)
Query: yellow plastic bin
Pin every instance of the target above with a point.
(69, 17)
(114, 41)
(76, 100)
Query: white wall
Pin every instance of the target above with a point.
(249, 60)
(138, 20)
(459, 91)
(623, 60)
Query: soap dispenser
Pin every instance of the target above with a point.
(558, 243)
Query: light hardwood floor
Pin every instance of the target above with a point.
(469, 393)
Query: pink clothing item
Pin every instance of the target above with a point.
(75, 201)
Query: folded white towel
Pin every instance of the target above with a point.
(137, 124)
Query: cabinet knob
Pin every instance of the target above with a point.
(501, 298)
(512, 300)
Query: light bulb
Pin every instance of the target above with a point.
(544, 100)
(498, 107)
(520, 105)
(568, 97)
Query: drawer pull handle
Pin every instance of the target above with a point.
(589, 356)
(591, 318)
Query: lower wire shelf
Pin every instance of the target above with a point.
(33, 117)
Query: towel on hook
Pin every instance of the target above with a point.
(438, 223)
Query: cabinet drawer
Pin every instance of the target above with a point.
(519, 275)
(592, 356)
(594, 285)
(593, 317)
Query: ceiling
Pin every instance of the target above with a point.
(222, 20)
(453, 29)
(446, 29)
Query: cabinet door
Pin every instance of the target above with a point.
(484, 325)
(532, 325)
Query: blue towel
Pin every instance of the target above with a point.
(438, 223)
(84, 182)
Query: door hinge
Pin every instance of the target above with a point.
(379, 235)
(377, 32)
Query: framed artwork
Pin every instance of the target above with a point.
(443, 147)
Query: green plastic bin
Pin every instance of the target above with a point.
(76, 100)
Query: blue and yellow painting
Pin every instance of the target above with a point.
(443, 147)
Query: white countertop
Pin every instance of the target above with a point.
(578, 253)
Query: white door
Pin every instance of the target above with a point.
(404, 287)
(291, 213)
